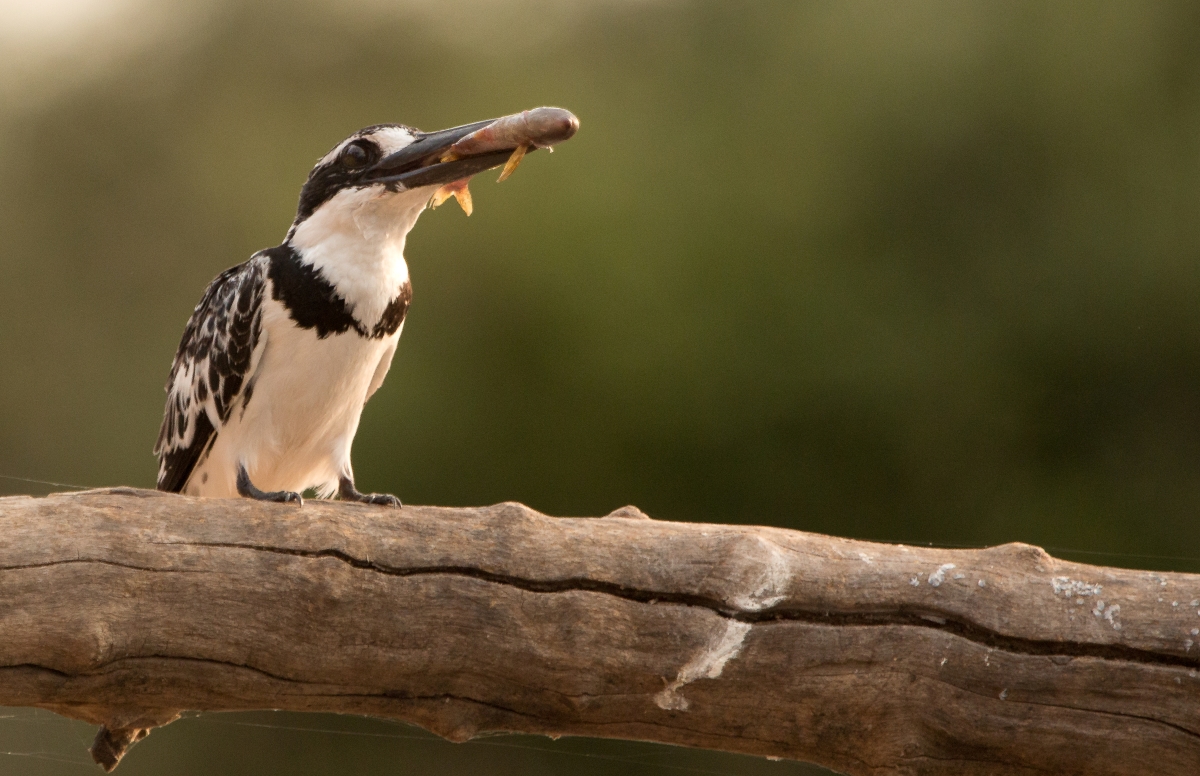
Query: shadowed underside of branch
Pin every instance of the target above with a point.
(124, 607)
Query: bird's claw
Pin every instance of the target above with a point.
(381, 499)
(281, 497)
(348, 492)
(246, 489)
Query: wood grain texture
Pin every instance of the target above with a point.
(122, 607)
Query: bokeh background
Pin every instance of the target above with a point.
(919, 271)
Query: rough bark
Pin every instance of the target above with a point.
(122, 607)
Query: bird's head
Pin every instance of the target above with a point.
(380, 178)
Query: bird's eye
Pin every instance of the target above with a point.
(354, 156)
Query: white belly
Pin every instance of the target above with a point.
(296, 431)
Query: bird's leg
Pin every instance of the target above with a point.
(347, 492)
(246, 489)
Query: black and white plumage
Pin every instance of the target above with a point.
(283, 351)
(210, 369)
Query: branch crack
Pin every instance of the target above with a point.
(948, 622)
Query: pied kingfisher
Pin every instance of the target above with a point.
(283, 351)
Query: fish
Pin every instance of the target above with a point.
(529, 129)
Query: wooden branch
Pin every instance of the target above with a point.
(122, 607)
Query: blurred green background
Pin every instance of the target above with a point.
(922, 271)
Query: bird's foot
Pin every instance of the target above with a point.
(347, 492)
(280, 496)
(246, 489)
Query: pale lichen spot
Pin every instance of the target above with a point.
(1111, 613)
(938, 575)
(770, 585)
(707, 664)
(1072, 588)
(1108, 613)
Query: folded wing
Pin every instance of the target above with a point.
(212, 368)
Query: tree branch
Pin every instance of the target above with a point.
(122, 607)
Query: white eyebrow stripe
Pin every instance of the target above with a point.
(392, 139)
(389, 139)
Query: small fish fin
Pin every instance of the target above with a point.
(513, 162)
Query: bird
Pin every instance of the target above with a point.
(283, 351)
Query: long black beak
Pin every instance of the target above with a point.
(421, 163)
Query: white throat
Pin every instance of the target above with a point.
(356, 239)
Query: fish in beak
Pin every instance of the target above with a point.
(450, 157)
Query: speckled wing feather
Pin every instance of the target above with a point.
(210, 376)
